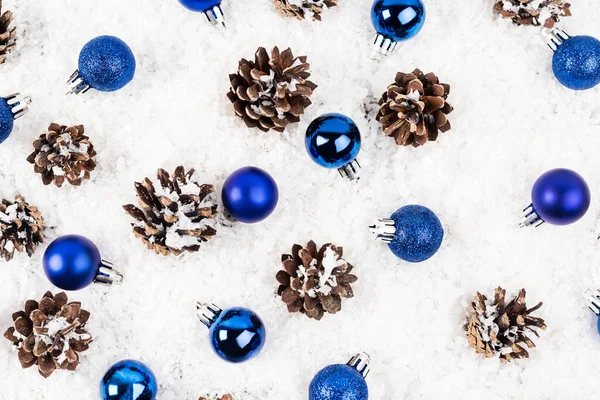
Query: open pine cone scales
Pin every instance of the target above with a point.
(8, 37)
(50, 333)
(496, 327)
(226, 396)
(271, 92)
(21, 227)
(300, 8)
(533, 12)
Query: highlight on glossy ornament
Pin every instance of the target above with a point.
(342, 381)
(128, 380)
(211, 9)
(250, 195)
(559, 197)
(11, 107)
(395, 21)
(106, 63)
(592, 297)
(236, 334)
(73, 262)
(333, 141)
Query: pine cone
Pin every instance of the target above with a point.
(225, 396)
(50, 333)
(533, 12)
(8, 37)
(299, 8)
(414, 108)
(21, 226)
(269, 93)
(63, 152)
(177, 217)
(314, 282)
(495, 327)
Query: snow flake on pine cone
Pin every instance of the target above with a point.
(533, 12)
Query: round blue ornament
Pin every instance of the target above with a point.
(576, 62)
(395, 21)
(128, 380)
(250, 194)
(210, 8)
(11, 108)
(341, 381)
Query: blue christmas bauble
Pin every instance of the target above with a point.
(200, 5)
(560, 197)
(419, 233)
(333, 140)
(576, 62)
(128, 380)
(7, 120)
(71, 262)
(598, 325)
(237, 334)
(250, 194)
(338, 382)
(398, 19)
(106, 63)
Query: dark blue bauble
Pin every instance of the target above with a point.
(419, 233)
(128, 380)
(333, 140)
(237, 334)
(72, 262)
(106, 63)
(576, 62)
(338, 382)
(398, 19)
(200, 5)
(250, 194)
(560, 197)
(7, 120)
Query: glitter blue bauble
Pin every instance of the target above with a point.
(128, 380)
(576, 62)
(200, 5)
(237, 334)
(560, 196)
(250, 194)
(398, 19)
(7, 120)
(72, 262)
(338, 382)
(106, 63)
(333, 140)
(419, 233)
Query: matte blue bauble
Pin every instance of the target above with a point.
(106, 63)
(200, 5)
(419, 233)
(338, 382)
(237, 334)
(72, 262)
(333, 140)
(398, 19)
(560, 197)
(250, 194)
(128, 380)
(576, 62)
(7, 120)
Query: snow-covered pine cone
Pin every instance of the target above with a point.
(301, 8)
(533, 12)
(8, 37)
(21, 227)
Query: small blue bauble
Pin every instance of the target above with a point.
(128, 380)
(398, 19)
(237, 334)
(250, 195)
(200, 5)
(560, 197)
(72, 262)
(419, 233)
(106, 63)
(338, 382)
(576, 62)
(7, 120)
(333, 140)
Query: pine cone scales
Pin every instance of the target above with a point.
(8, 37)
(21, 226)
(533, 12)
(299, 8)
(313, 282)
(226, 396)
(414, 108)
(50, 333)
(271, 92)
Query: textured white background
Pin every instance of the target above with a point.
(512, 122)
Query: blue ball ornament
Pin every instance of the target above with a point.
(576, 62)
(341, 381)
(128, 380)
(6, 120)
(250, 195)
(333, 140)
(398, 20)
(199, 5)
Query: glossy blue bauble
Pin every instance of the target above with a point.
(200, 5)
(333, 140)
(338, 382)
(72, 262)
(237, 334)
(250, 194)
(419, 233)
(560, 196)
(106, 63)
(398, 19)
(128, 380)
(576, 62)
(7, 120)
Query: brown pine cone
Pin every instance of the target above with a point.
(225, 396)
(313, 282)
(299, 8)
(8, 37)
(177, 214)
(496, 328)
(63, 153)
(414, 108)
(21, 226)
(50, 333)
(271, 92)
(533, 12)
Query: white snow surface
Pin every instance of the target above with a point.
(512, 122)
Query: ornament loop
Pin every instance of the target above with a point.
(360, 362)
(384, 229)
(207, 313)
(350, 171)
(593, 298)
(555, 37)
(107, 274)
(215, 17)
(18, 104)
(530, 218)
(77, 85)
